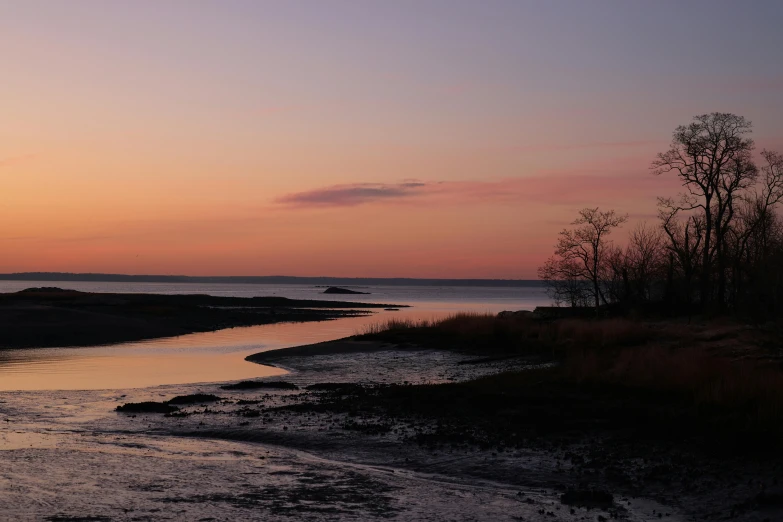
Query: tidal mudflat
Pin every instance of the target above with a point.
(262, 454)
(572, 449)
(404, 423)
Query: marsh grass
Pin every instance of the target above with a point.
(714, 370)
(489, 333)
(752, 389)
(395, 325)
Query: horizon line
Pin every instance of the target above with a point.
(114, 277)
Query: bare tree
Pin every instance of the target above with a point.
(564, 282)
(772, 189)
(583, 247)
(756, 228)
(686, 236)
(712, 158)
(644, 259)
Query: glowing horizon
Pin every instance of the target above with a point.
(348, 139)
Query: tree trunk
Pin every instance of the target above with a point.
(670, 297)
(627, 293)
(721, 278)
(704, 294)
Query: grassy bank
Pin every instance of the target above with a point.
(485, 334)
(721, 383)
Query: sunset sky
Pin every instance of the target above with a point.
(397, 138)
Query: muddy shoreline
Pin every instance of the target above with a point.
(373, 429)
(379, 404)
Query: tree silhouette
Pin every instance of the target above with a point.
(712, 157)
(581, 251)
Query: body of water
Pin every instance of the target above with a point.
(219, 356)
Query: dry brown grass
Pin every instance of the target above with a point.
(703, 378)
(522, 331)
(708, 365)
(394, 325)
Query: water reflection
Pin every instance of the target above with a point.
(202, 357)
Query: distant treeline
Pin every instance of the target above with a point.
(273, 280)
(717, 246)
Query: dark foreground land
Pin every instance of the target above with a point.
(470, 418)
(613, 418)
(51, 317)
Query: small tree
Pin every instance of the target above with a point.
(636, 269)
(754, 235)
(564, 282)
(686, 238)
(582, 249)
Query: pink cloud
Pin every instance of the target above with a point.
(559, 189)
(353, 194)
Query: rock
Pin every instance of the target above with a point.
(195, 398)
(255, 385)
(508, 314)
(564, 312)
(338, 290)
(146, 407)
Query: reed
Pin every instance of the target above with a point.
(659, 358)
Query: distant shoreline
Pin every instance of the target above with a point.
(315, 281)
(53, 317)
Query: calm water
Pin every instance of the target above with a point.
(219, 356)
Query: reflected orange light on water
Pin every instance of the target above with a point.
(194, 358)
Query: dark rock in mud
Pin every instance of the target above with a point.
(178, 413)
(255, 385)
(506, 314)
(587, 497)
(338, 290)
(196, 398)
(146, 407)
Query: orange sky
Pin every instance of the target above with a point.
(208, 140)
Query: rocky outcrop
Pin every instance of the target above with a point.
(338, 290)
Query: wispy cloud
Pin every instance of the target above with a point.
(549, 189)
(353, 194)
